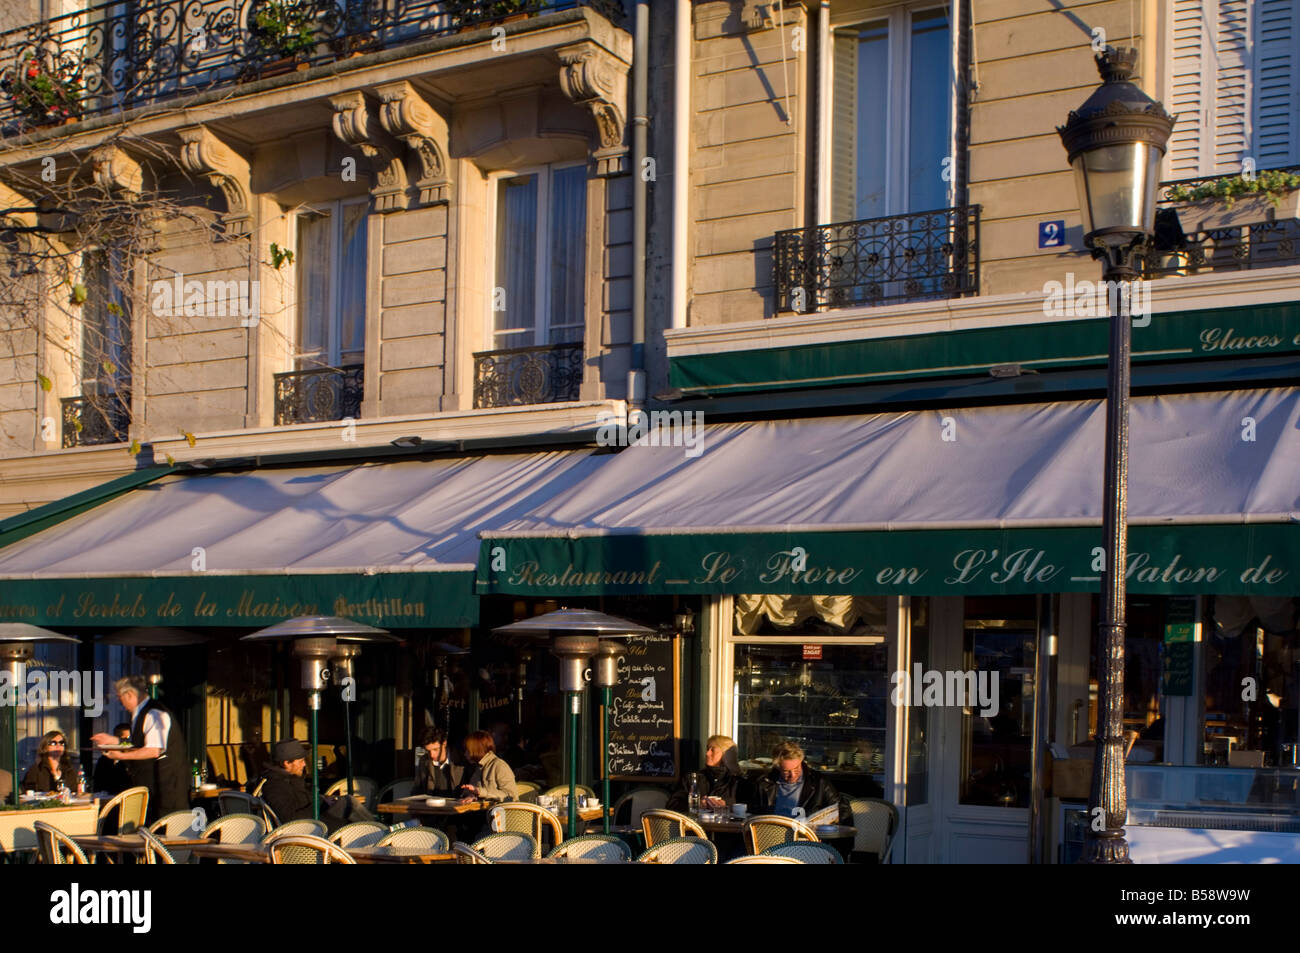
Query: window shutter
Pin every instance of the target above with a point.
(844, 126)
(1277, 76)
(1232, 93)
(1190, 86)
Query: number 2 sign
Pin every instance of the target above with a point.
(1051, 234)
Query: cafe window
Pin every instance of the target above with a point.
(813, 670)
(1147, 658)
(1251, 652)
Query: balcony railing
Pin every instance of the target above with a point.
(88, 421)
(121, 54)
(303, 397)
(519, 376)
(1182, 248)
(916, 257)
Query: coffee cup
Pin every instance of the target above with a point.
(739, 810)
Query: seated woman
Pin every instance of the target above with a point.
(54, 767)
(489, 776)
(719, 782)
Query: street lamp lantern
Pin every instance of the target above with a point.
(1115, 142)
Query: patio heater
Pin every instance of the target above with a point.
(149, 643)
(1115, 142)
(575, 636)
(606, 677)
(316, 639)
(17, 647)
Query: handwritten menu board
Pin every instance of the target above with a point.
(644, 736)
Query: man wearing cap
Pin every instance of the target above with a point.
(285, 791)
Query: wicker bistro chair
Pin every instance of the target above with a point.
(360, 834)
(420, 838)
(155, 851)
(562, 790)
(528, 819)
(876, 822)
(510, 845)
(637, 802)
(768, 829)
(468, 855)
(662, 825)
(179, 824)
(306, 849)
(303, 828)
(393, 790)
(56, 847)
(257, 791)
(806, 852)
(764, 859)
(528, 791)
(362, 786)
(681, 850)
(246, 829)
(599, 848)
(127, 809)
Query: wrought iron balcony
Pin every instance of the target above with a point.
(527, 375)
(1206, 236)
(916, 257)
(304, 397)
(92, 420)
(121, 54)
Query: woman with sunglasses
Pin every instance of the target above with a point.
(54, 767)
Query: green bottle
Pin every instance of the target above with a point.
(197, 775)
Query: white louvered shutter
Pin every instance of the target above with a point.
(1233, 87)
(844, 127)
(1277, 83)
(1189, 89)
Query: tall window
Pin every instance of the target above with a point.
(106, 327)
(1233, 82)
(892, 114)
(331, 263)
(541, 224)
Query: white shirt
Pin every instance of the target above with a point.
(157, 725)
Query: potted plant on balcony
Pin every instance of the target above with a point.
(475, 16)
(1235, 201)
(43, 93)
(284, 29)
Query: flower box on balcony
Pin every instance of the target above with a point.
(1209, 214)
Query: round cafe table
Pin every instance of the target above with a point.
(839, 836)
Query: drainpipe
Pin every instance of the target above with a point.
(681, 156)
(640, 122)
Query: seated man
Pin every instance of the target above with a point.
(286, 793)
(718, 782)
(793, 783)
(437, 775)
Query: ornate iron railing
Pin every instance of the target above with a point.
(303, 397)
(129, 52)
(913, 257)
(527, 375)
(92, 420)
(1181, 247)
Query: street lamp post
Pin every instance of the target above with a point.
(1115, 142)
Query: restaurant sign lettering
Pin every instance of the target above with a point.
(1243, 559)
(388, 600)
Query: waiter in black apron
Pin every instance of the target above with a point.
(157, 758)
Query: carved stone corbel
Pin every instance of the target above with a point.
(595, 78)
(356, 125)
(116, 171)
(406, 115)
(202, 153)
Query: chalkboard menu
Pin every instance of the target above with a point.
(1178, 652)
(644, 738)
